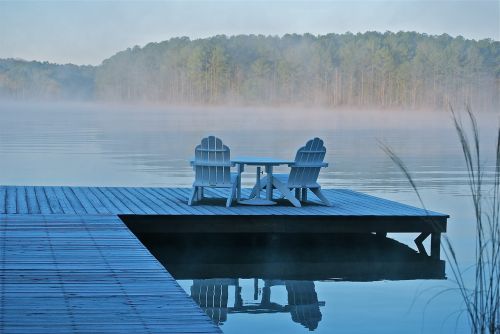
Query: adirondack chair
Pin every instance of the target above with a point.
(303, 174)
(212, 167)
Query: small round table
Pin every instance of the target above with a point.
(268, 164)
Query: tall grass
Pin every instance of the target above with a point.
(482, 296)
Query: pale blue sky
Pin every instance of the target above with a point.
(87, 32)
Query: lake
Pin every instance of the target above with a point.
(112, 145)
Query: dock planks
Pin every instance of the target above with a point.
(69, 264)
(76, 274)
(173, 201)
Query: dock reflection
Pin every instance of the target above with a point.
(218, 265)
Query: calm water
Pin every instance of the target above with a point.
(55, 144)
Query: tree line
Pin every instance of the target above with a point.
(23, 80)
(404, 69)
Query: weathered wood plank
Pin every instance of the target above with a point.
(106, 202)
(160, 206)
(139, 201)
(84, 200)
(33, 207)
(22, 204)
(63, 201)
(134, 208)
(74, 201)
(96, 203)
(153, 203)
(182, 201)
(170, 205)
(3, 198)
(43, 203)
(11, 201)
(114, 201)
(54, 205)
(65, 273)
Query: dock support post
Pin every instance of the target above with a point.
(419, 242)
(436, 245)
(255, 289)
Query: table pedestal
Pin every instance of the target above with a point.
(269, 191)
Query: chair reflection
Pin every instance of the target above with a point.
(303, 305)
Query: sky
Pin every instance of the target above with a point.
(87, 32)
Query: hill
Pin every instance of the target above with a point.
(404, 69)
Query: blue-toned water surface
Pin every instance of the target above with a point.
(110, 145)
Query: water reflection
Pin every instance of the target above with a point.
(218, 270)
(303, 305)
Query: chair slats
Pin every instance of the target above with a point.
(308, 162)
(212, 163)
(212, 166)
(304, 173)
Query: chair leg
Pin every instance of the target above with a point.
(238, 188)
(298, 194)
(263, 183)
(304, 194)
(319, 194)
(232, 194)
(200, 193)
(194, 194)
(286, 192)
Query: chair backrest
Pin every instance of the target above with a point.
(308, 162)
(212, 163)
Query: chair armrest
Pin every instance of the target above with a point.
(311, 164)
(195, 163)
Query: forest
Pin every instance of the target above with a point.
(404, 69)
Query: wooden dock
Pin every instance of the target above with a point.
(173, 202)
(70, 264)
(87, 274)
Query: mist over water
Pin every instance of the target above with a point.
(115, 145)
(92, 144)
